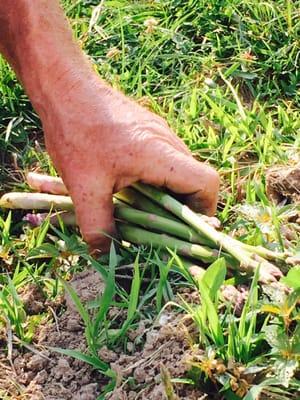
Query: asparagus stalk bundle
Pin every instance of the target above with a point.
(148, 216)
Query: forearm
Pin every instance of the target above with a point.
(37, 41)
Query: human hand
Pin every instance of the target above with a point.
(101, 141)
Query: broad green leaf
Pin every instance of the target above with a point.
(269, 308)
(109, 291)
(214, 277)
(212, 315)
(230, 395)
(276, 337)
(254, 392)
(292, 279)
(285, 370)
(295, 341)
(44, 250)
(293, 299)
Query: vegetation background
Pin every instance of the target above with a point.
(223, 73)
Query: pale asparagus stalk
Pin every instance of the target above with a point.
(39, 201)
(54, 185)
(263, 252)
(268, 272)
(43, 201)
(151, 221)
(177, 228)
(46, 184)
(67, 217)
(49, 184)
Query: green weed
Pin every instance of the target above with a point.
(225, 75)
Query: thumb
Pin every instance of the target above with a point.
(94, 211)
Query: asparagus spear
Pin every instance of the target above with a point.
(54, 185)
(248, 260)
(162, 224)
(46, 183)
(249, 256)
(159, 240)
(39, 201)
(141, 202)
(68, 218)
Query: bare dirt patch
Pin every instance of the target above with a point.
(44, 375)
(49, 375)
(154, 352)
(166, 352)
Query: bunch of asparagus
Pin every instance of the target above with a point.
(148, 216)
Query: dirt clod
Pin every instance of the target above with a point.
(33, 299)
(283, 184)
(37, 363)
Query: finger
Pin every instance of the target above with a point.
(94, 211)
(176, 142)
(165, 166)
(46, 184)
(158, 127)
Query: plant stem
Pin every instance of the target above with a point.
(162, 224)
(234, 247)
(39, 201)
(197, 231)
(138, 200)
(159, 240)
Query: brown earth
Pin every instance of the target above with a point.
(165, 353)
(36, 373)
(48, 375)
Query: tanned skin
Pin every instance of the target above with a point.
(99, 140)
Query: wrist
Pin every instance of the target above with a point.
(37, 41)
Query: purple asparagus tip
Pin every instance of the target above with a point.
(35, 219)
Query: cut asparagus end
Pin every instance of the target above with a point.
(38, 201)
(46, 184)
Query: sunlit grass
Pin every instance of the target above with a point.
(225, 75)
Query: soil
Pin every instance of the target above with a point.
(166, 352)
(283, 184)
(36, 373)
(40, 374)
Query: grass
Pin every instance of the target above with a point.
(225, 75)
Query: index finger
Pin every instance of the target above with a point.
(182, 174)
